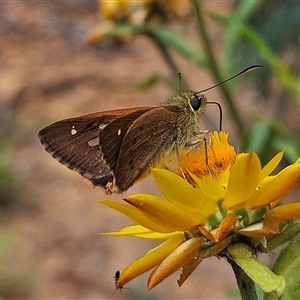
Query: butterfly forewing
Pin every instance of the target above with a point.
(111, 138)
(75, 143)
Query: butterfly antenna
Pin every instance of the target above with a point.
(220, 112)
(251, 68)
(180, 82)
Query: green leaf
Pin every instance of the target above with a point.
(284, 138)
(257, 271)
(149, 82)
(236, 21)
(280, 70)
(288, 265)
(179, 43)
(259, 137)
(292, 147)
(166, 36)
(7, 240)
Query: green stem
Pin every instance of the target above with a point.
(245, 284)
(215, 70)
(167, 57)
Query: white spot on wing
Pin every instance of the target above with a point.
(119, 132)
(93, 142)
(102, 126)
(73, 130)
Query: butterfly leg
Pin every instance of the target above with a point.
(202, 137)
(179, 162)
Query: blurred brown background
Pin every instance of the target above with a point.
(51, 245)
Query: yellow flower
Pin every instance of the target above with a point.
(214, 159)
(146, 9)
(230, 199)
(135, 13)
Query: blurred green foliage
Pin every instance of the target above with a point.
(7, 178)
(15, 280)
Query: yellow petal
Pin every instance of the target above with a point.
(223, 178)
(286, 211)
(243, 180)
(151, 259)
(164, 213)
(182, 194)
(193, 261)
(210, 187)
(269, 226)
(266, 180)
(278, 187)
(271, 165)
(174, 261)
(226, 226)
(100, 32)
(133, 230)
(109, 9)
(134, 214)
(142, 232)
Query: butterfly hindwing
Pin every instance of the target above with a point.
(128, 144)
(75, 143)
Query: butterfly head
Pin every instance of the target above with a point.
(192, 103)
(197, 103)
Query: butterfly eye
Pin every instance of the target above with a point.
(195, 103)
